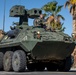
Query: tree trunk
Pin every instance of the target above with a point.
(74, 31)
(74, 20)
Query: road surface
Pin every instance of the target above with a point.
(71, 72)
(38, 73)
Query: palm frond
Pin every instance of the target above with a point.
(45, 8)
(54, 3)
(49, 7)
(60, 16)
(62, 28)
(72, 9)
(66, 4)
(58, 9)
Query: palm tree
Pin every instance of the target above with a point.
(72, 7)
(52, 9)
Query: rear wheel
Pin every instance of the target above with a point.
(1, 60)
(7, 61)
(19, 61)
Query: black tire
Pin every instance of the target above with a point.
(36, 66)
(31, 67)
(52, 67)
(19, 61)
(7, 61)
(66, 65)
(1, 60)
(40, 67)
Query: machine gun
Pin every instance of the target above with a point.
(24, 14)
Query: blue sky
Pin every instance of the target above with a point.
(29, 4)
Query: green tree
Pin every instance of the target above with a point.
(53, 9)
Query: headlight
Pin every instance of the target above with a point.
(38, 32)
(37, 35)
(74, 35)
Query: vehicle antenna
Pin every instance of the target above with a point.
(4, 15)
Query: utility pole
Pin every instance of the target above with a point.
(4, 15)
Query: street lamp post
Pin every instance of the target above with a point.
(4, 15)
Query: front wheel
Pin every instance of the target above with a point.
(66, 64)
(19, 61)
(7, 61)
(51, 67)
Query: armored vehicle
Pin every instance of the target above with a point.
(32, 48)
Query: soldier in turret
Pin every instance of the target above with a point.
(40, 21)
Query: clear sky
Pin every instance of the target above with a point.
(32, 4)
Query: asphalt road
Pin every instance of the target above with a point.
(71, 72)
(38, 73)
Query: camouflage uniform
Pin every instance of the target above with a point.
(39, 21)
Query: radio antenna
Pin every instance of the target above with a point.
(4, 15)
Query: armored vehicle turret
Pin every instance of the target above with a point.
(33, 47)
